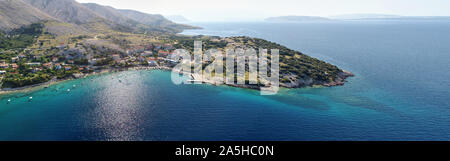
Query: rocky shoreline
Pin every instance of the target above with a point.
(340, 81)
(301, 83)
(295, 82)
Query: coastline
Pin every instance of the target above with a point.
(35, 87)
(340, 82)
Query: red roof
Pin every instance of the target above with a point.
(163, 52)
(152, 58)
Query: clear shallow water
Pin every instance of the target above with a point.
(401, 92)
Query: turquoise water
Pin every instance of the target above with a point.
(401, 92)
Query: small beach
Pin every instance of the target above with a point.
(40, 86)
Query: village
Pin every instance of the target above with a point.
(72, 62)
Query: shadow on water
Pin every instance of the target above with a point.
(300, 101)
(369, 103)
(323, 98)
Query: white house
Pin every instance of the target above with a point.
(147, 53)
(33, 64)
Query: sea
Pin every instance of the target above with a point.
(401, 91)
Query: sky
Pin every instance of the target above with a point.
(245, 10)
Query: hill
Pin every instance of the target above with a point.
(68, 11)
(71, 16)
(146, 22)
(364, 16)
(17, 13)
(155, 20)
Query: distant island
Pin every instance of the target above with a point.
(386, 17)
(363, 16)
(296, 19)
(354, 17)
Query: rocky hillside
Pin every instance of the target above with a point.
(68, 11)
(87, 17)
(17, 13)
(147, 22)
(155, 20)
(296, 69)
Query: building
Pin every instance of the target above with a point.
(61, 46)
(48, 65)
(33, 64)
(58, 66)
(168, 47)
(149, 47)
(141, 58)
(170, 62)
(2, 72)
(67, 68)
(116, 57)
(34, 70)
(152, 63)
(14, 66)
(4, 65)
(139, 49)
(147, 53)
(21, 56)
(55, 59)
(130, 52)
(157, 46)
(163, 53)
(15, 59)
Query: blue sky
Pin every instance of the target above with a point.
(241, 10)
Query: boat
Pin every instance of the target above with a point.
(68, 90)
(194, 81)
(30, 99)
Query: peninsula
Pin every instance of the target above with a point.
(49, 43)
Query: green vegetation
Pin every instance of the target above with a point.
(294, 62)
(104, 62)
(17, 80)
(21, 38)
(291, 62)
(81, 62)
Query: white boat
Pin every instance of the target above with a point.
(68, 90)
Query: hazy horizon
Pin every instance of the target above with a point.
(235, 10)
